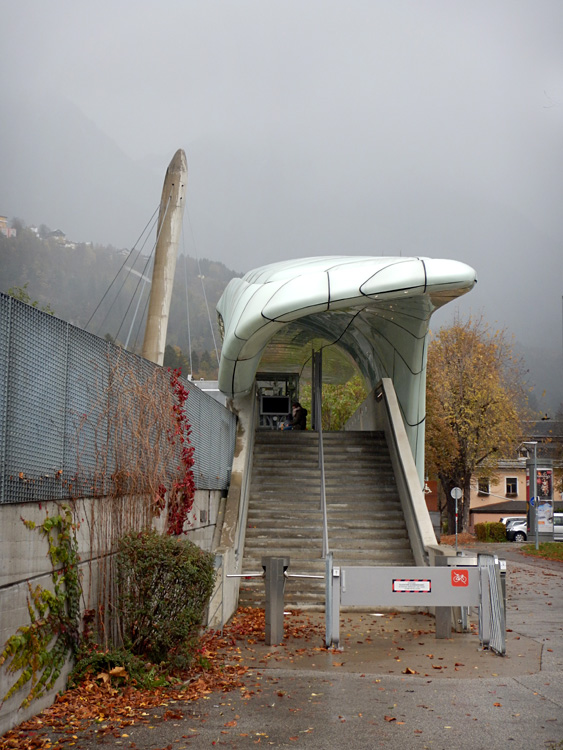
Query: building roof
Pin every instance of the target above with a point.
(376, 310)
(508, 508)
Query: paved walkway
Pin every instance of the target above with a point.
(392, 686)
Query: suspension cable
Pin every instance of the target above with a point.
(202, 277)
(187, 302)
(150, 221)
(124, 281)
(143, 317)
(149, 258)
(144, 269)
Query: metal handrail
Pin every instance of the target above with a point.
(244, 490)
(319, 426)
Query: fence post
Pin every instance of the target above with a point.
(332, 605)
(274, 570)
(443, 615)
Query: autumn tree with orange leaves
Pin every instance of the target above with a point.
(475, 404)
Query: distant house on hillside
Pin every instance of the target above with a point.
(58, 236)
(6, 230)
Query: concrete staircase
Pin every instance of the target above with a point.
(365, 520)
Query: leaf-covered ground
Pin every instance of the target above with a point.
(238, 671)
(106, 701)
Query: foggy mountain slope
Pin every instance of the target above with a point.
(251, 202)
(59, 169)
(72, 281)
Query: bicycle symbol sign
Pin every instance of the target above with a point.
(460, 578)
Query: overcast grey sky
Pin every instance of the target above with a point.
(382, 127)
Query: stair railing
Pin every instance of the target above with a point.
(323, 492)
(319, 428)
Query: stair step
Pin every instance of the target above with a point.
(366, 522)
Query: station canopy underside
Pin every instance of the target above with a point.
(369, 312)
(374, 310)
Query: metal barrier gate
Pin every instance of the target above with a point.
(465, 582)
(458, 585)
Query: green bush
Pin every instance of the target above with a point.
(164, 586)
(490, 532)
(118, 666)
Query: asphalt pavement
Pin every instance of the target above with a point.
(393, 685)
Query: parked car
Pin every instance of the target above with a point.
(558, 527)
(507, 519)
(517, 530)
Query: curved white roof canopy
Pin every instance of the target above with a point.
(375, 309)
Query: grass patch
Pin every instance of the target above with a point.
(547, 550)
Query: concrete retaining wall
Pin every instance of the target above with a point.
(230, 544)
(24, 561)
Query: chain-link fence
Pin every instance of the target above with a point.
(61, 389)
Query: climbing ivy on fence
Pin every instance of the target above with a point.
(39, 650)
(182, 490)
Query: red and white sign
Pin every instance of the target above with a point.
(460, 577)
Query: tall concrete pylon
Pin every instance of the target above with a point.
(168, 236)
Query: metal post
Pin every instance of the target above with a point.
(456, 525)
(533, 487)
(536, 491)
(335, 608)
(328, 599)
(485, 607)
(456, 493)
(274, 570)
(313, 392)
(502, 569)
(443, 615)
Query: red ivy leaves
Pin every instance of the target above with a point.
(181, 493)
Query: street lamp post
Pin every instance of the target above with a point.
(456, 493)
(535, 487)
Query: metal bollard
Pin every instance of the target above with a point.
(502, 566)
(274, 570)
(443, 615)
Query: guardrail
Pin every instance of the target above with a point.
(318, 421)
(318, 426)
(464, 583)
(419, 525)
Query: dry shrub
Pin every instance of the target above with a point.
(164, 588)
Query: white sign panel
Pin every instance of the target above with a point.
(407, 586)
(403, 585)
